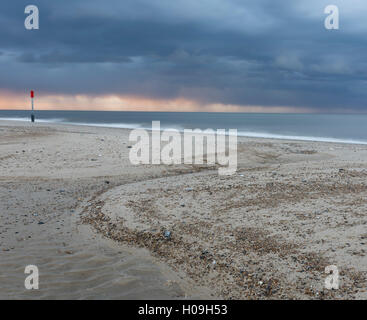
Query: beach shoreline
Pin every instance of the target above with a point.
(291, 127)
(266, 232)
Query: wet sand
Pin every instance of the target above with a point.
(72, 204)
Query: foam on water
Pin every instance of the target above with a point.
(300, 138)
(24, 119)
(180, 127)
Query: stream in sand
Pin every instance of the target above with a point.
(73, 262)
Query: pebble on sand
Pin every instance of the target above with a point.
(167, 234)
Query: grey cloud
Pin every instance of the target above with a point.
(258, 52)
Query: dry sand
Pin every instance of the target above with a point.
(72, 204)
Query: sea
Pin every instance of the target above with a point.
(342, 128)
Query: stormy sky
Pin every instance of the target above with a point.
(222, 55)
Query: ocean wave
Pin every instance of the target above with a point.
(65, 121)
(296, 137)
(249, 134)
(27, 119)
(107, 125)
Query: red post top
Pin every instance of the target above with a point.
(32, 94)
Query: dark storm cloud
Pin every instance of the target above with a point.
(260, 52)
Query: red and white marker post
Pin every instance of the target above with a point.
(32, 98)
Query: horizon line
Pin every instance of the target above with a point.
(191, 111)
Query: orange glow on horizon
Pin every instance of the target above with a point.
(10, 101)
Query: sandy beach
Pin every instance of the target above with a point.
(73, 204)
